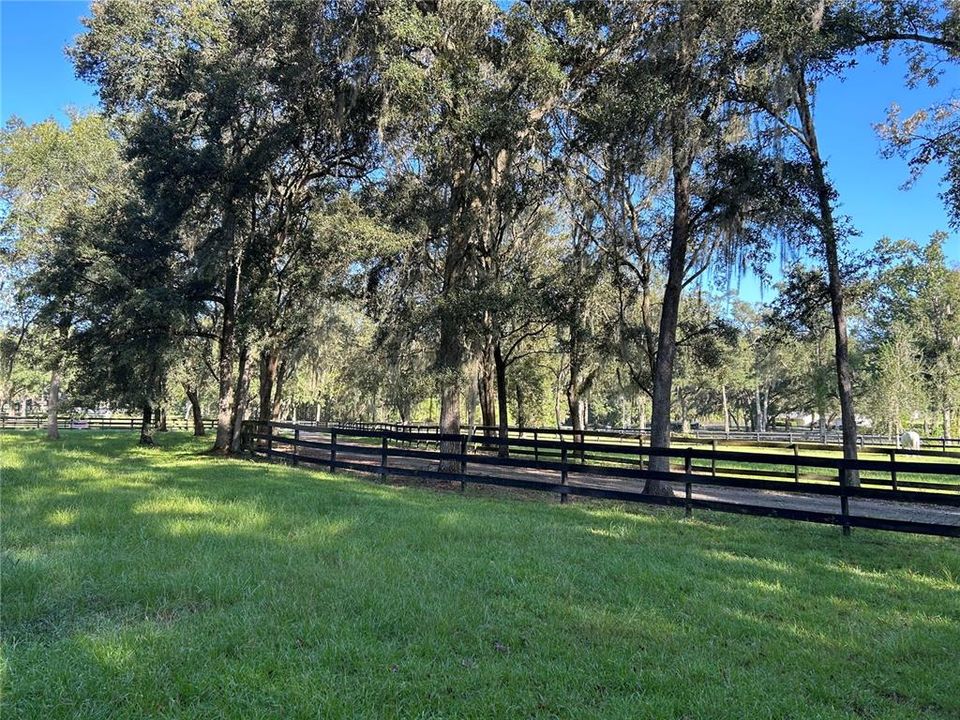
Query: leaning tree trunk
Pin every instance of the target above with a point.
(53, 404)
(500, 365)
(195, 411)
(828, 233)
(669, 317)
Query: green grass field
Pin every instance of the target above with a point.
(166, 583)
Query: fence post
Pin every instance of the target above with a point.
(893, 468)
(536, 447)
(713, 460)
(796, 465)
(463, 462)
(333, 451)
(688, 488)
(296, 445)
(844, 501)
(383, 458)
(563, 470)
(269, 439)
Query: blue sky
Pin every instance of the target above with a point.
(37, 81)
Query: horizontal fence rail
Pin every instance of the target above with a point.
(66, 422)
(901, 494)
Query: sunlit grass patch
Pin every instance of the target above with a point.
(168, 582)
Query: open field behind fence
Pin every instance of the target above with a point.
(764, 438)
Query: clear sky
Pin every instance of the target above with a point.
(37, 81)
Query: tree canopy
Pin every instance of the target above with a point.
(422, 210)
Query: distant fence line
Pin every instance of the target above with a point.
(615, 470)
(811, 439)
(66, 422)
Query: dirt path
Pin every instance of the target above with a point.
(862, 507)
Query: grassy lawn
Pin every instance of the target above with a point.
(163, 582)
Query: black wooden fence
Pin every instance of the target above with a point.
(17, 422)
(900, 495)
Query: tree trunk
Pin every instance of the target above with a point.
(822, 418)
(575, 406)
(828, 233)
(487, 393)
(195, 410)
(500, 367)
(556, 400)
(277, 410)
(757, 410)
(53, 399)
(240, 405)
(726, 409)
(146, 436)
(269, 363)
(669, 316)
(53, 404)
(225, 398)
(470, 401)
(450, 362)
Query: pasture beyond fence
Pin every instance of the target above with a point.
(911, 495)
(759, 438)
